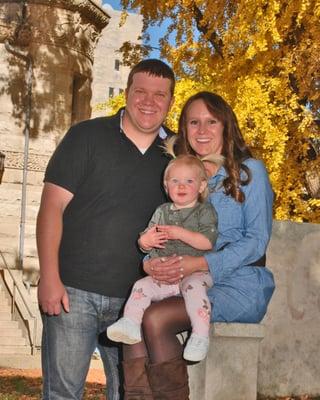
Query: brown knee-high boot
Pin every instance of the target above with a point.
(169, 380)
(136, 384)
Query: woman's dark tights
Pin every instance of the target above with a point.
(161, 322)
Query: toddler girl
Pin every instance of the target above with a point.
(186, 226)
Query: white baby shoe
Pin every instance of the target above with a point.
(196, 348)
(125, 331)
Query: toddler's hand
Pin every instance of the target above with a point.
(172, 231)
(153, 238)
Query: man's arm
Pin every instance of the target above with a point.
(51, 292)
(193, 239)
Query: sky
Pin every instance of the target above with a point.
(155, 32)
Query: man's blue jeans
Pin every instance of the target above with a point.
(69, 340)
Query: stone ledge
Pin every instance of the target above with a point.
(237, 330)
(230, 370)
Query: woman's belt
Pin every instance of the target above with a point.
(259, 263)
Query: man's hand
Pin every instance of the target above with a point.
(51, 292)
(51, 296)
(153, 238)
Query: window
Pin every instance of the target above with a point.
(79, 105)
(117, 65)
(120, 91)
(111, 92)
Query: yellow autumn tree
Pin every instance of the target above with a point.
(263, 57)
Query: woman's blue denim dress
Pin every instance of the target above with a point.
(241, 291)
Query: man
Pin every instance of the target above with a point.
(101, 186)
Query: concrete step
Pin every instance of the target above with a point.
(5, 308)
(5, 316)
(12, 341)
(10, 325)
(9, 331)
(4, 301)
(33, 361)
(5, 349)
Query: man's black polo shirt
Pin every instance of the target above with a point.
(116, 189)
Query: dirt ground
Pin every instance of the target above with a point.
(94, 389)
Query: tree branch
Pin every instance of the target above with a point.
(215, 41)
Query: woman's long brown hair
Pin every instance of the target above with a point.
(234, 147)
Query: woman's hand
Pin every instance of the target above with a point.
(173, 269)
(191, 264)
(164, 269)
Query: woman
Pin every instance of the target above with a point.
(241, 193)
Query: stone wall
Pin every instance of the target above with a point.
(290, 352)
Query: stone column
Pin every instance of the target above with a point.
(54, 40)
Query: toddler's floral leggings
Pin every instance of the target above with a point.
(193, 288)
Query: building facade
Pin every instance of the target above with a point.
(109, 75)
(46, 58)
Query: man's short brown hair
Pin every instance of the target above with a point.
(154, 67)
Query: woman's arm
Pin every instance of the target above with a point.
(245, 228)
